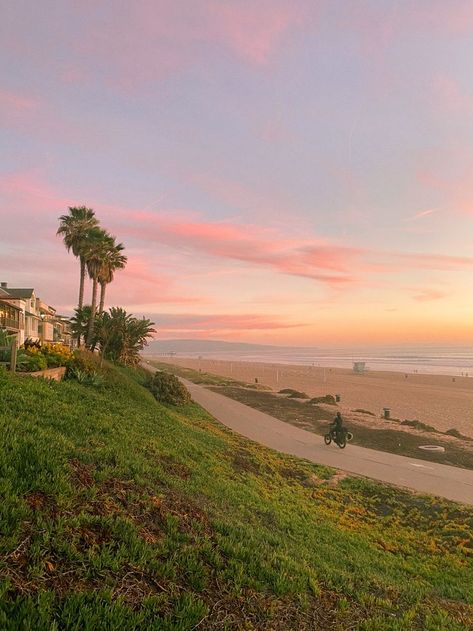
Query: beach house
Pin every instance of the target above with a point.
(26, 301)
(23, 313)
(11, 316)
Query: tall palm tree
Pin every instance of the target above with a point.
(75, 229)
(96, 250)
(114, 260)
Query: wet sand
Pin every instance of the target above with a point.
(442, 401)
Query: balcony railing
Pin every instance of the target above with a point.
(9, 323)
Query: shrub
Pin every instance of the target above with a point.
(84, 361)
(362, 411)
(57, 354)
(167, 388)
(86, 378)
(457, 434)
(85, 368)
(294, 394)
(329, 399)
(31, 361)
(419, 425)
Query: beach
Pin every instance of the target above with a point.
(445, 402)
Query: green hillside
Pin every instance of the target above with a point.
(119, 513)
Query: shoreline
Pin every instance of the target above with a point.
(443, 401)
(435, 364)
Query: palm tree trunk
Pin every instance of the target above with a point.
(93, 309)
(103, 286)
(82, 280)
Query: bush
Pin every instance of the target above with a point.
(419, 425)
(329, 399)
(87, 378)
(57, 354)
(84, 361)
(362, 411)
(167, 388)
(31, 361)
(457, 434)
(294, 394)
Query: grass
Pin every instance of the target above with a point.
(316, 419)
(119, 513)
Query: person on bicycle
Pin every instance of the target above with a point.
(337, 426)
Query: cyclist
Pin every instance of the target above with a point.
(337, 427)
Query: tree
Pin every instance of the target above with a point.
(80, 322)
(96, 248)
(114, 260)
(121, 336)
(75, 229)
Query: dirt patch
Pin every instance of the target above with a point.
(42, 502)
(173, 467)
(91, 536)
(245, 462)
(267, 613)
(81, 473)
(134, 585)
(335, 480)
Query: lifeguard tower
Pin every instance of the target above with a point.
(359, 367)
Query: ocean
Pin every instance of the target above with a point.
(438, 360)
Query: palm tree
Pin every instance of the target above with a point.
(75, 229)
(121, 336)
(80, 322)
(113, 261)
(96, 249)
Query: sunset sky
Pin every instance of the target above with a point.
(280, 171)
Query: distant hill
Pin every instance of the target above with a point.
(207, 346)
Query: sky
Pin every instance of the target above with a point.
(295, 172)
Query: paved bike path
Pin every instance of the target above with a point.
(423, 476)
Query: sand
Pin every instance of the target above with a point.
(441, 401)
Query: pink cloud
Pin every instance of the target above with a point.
(274, 205)
(428, 295)
(394, 262)
(379, 29)
(214, 324)
(28, 201)
(139, 43)
(18, 110)
(449, 96)
(139, 284)
(253, 30)
(251, 244)
(13, 102)
(449, 174)
(422, 214)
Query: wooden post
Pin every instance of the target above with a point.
(13, 356)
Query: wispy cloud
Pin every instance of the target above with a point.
(126, 45)
(422, 214)
(220, 324)
(428, 295)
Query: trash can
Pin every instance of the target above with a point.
(337, 398)
(387, 412)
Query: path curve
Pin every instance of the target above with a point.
(423, 476)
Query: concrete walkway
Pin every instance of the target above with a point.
(452, 483)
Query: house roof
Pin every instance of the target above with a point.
(4, 300)
(19, 293)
